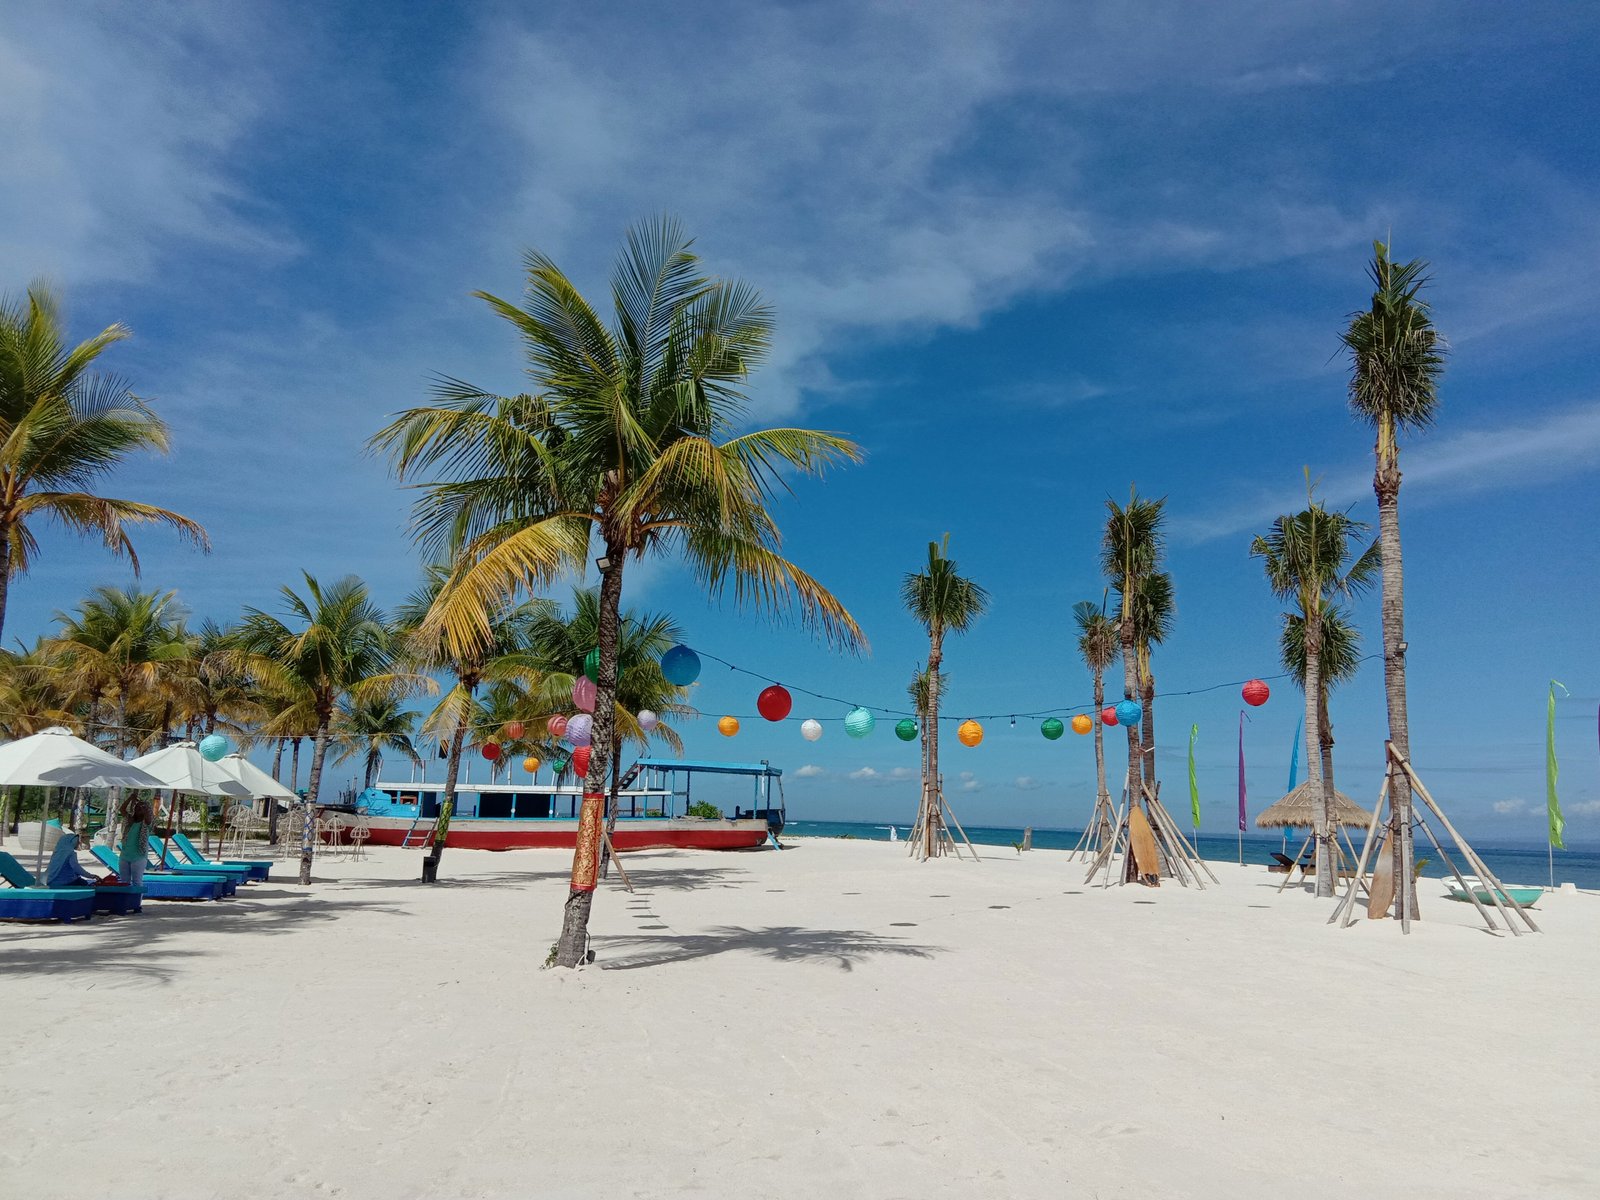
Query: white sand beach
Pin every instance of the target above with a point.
(832, 1021)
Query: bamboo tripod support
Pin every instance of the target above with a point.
(1101, 823)
(1178, 857)
(1503, 903)
(935, 809)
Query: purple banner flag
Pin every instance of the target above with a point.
(1242, 813)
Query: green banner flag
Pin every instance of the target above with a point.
(1558, 824)
(1194, 787)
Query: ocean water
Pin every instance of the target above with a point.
(1514, 864)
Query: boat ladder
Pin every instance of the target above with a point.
(406, 843)
(629, 776)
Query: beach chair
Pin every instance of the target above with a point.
(259, 868)
(170, 885)
(21, 900)
(64, 871)
(163, 859)
(1282, 864)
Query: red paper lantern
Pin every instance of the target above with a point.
(514, 730)
(1255, 693)
(774, 702)
(1108, 715)
(491, 750)
(580, 761)
(557, 725)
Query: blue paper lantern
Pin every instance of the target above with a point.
(680, 666)
(858, 722)
(1129, 712)
(213, 747)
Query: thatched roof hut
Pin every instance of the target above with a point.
(1302, 805)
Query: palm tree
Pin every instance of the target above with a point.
(31, 697)
(1097, 642)
(1339, 661)
(1129, 553)
(62, 427)
(942, 601)
(631, 445)
(216, 691)
(1154, 608)
(1307, 560)
(372, 725)
(473, 659)
(335, 647)
(1396, 358)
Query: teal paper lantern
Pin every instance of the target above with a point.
(213, 747)
(906, 729)
(858, 722)
(591, 664)
(680, 666)
(1052, 728)
(1129, 712)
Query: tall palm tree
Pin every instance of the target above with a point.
(31, 696)
(631, 446)
(370, 726)
(1130, 552)
(1396, 359)
(215, 690)
(473, 657)
(1154, 608)
(62, 427)
(1307, 560)
(1098, 644)
(943, 601)
(336, 645)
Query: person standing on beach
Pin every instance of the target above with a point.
(138, 816)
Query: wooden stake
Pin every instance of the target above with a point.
(1348, 903)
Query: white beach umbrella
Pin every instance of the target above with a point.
(56, 758)
(182, 768)
(258, 782)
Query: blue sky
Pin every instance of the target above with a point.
(1024, 254)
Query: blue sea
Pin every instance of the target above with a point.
(1521, 864)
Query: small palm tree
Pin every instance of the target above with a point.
(1098, 644)
(1307, 560)
(62, 427)
(632, 447)
(371, 726)
(943, 601)
(1154, 609)
(1396, 360)
(335, 646)
(1338, 663)
(1130, 552)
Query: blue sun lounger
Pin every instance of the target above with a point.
(260, 868)
(23, 902)
(170, 863)
(161, 885)
(115, 899)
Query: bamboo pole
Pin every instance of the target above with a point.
(1348, 903)
(1471, 895)
(1190, 852)
(959, 830)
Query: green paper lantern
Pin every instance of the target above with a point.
(1052, 728)
(591, 664)
(906, 729)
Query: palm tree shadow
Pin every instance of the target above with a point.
(781, 943)
(684, 879)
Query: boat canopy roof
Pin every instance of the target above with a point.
(706, 767)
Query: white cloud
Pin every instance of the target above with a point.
(970, 782)
(902, 773)
(1583, 808)
(1472, 460)
(1026, 783)
(1507, 808)
(864, 773)
(810, 771)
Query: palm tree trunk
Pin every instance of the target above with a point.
(1102, 796)
(1312, 684)
(308, 828)
(272, 802)
(447, 804)
(1325, 728)
(294, 767)
(1130, 689)
(572, 947)
(5, 569)
(932, 804)
(1386, 483)
(1148, 733)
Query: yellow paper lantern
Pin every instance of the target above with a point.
(1082, 723)
(728, 726)
(970, 733)
(530, 764)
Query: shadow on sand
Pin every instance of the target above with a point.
(134, 945)
(782, 943)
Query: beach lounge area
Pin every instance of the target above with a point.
(832, 1019)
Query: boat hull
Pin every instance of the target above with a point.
(1525, 896)
(561, 833)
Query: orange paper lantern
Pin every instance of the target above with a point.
(1082, 723)
(970, 733)
(530, 764)
(728, 726)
